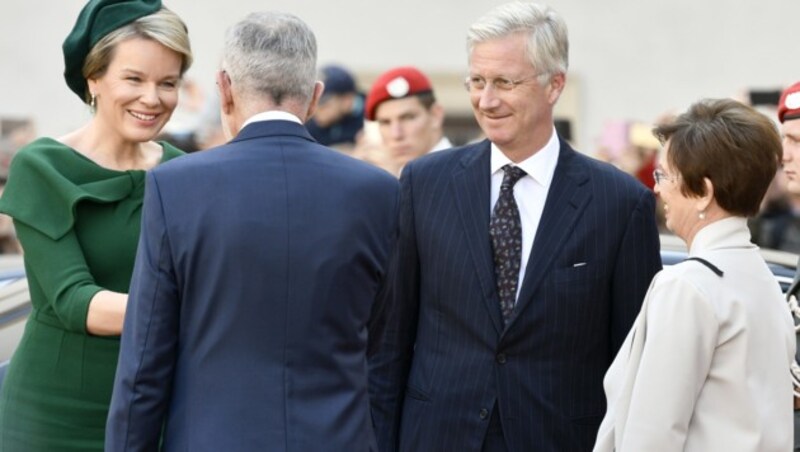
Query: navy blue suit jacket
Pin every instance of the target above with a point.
(257, 269)
(447, 360)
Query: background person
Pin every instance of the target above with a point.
(777, 225)
(706, 365)
(76, 204)
(492, 340)
(789, 117)
(252, 291)
(402, 102)
(338, 119)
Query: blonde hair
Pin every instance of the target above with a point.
(163, 26)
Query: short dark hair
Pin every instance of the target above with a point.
(427, 99)
(731, 144)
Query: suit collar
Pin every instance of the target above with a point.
(474, 155)
(271, 128)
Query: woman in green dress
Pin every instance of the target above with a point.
(76, 203)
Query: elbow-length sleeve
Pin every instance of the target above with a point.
(48, 181)
(58, 269)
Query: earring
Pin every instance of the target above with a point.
(702, 215)
(93, 103)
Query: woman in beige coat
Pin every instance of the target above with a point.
(706, 365)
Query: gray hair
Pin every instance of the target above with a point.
(547, 45)
(272, 54)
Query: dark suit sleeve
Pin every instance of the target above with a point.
(396, 319)
(144, 374)
(638, 260)
(377, 320)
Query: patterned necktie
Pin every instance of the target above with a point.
(505, 230)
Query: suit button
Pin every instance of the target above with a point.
(484, 413)
(501, 358)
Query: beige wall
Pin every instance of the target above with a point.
(629, 59)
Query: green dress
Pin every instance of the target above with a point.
(78, 224)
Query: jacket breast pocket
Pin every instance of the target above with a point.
(579, 271)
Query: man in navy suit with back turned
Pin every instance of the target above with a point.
(520, 266)
(257, 270)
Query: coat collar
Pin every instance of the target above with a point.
(730, 232)
(271, 128)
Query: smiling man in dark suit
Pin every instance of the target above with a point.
(257, 269)
(520, 266)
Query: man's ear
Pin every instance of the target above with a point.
(437, 112)
(319, 87)
(555, 87)
(225, 94)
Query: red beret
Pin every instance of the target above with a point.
(789, 105)
(396, 84)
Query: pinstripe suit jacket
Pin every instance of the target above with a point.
(446, 359)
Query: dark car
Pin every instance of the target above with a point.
(15, 302)
(15, 305)
(782, 264)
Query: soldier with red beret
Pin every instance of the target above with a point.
(410, 120)
(789, 117)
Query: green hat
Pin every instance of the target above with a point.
(97, 19)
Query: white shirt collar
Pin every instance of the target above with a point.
(729, 232)
(540, 166)
(443, 144)
(272, 115)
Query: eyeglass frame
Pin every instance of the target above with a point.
(497, 83)
(659, 175)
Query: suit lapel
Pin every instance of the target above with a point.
(567, 198)
(471, 185)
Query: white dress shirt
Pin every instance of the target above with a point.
(442, 144)
(530, 191)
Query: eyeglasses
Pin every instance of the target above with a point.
(661, 176)
(477, 83)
